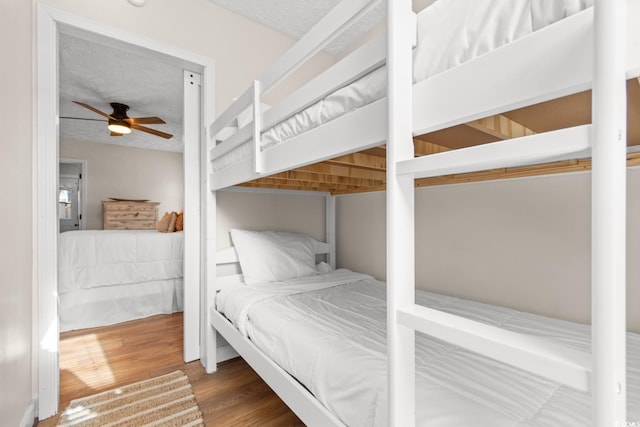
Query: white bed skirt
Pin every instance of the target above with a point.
(90, 308)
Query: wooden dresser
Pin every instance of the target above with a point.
(129, 215)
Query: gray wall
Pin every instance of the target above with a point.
(268, 211)
(521, 243)
(128, 173)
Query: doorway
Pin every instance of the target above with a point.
(71, 194)
(198, 100)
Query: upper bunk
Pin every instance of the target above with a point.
(483, 72)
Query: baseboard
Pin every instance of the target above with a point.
(225, 352)
(29, 417)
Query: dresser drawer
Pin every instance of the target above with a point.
(126, 215)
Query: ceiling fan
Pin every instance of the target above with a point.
(121, 124)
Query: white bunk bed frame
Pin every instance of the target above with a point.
(597, 50)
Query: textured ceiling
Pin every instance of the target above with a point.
(99, 73)
(295, 17)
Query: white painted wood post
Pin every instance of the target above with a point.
(609, 215)
(192, 204)
(208, 350)
(330, 228)
(400, 216)
(257, 127)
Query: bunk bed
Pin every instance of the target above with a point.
(552, 64)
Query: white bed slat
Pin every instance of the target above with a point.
(237, 107)
(530, 353)
(235, 140)
(227, 256)
(329, 27)
(557, 145)
(241, 171)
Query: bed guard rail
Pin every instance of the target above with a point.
(350, 68)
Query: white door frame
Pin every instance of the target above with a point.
(50, 22)
(82, 222)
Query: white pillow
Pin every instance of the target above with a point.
(271, 256)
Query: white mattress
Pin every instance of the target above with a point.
(97, 258)
(333, 340)
(450, 32)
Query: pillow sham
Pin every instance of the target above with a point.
(271, 256)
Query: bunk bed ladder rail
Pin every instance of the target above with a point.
(608, 215)
(603, 371)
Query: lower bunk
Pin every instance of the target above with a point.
(320, 342)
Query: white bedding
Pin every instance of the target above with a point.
(450, 32)
(107, 305)
(333, 340)
(96, 258)
(112, 276)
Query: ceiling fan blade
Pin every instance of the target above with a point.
(83, 118)
(151, 131)
(115, 134)
(95, 110)
(146, 120)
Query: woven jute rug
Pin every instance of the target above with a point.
(162, 401)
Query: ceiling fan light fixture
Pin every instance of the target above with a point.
(120, 127)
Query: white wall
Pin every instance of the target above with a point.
(521, 243)
(268, 211)
(128, 173)
(16, 290)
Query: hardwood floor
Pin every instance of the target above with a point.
(94, 360)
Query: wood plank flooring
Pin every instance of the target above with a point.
(94, 360)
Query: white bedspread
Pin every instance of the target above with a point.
(96, 258)
(333, 340)
(450, 32)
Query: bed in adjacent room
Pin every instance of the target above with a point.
(112, 276)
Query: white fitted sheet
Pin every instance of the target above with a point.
(97, 258)
(450, 32)
(333, 340)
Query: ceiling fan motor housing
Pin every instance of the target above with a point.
(119, 111)
(119, 121)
